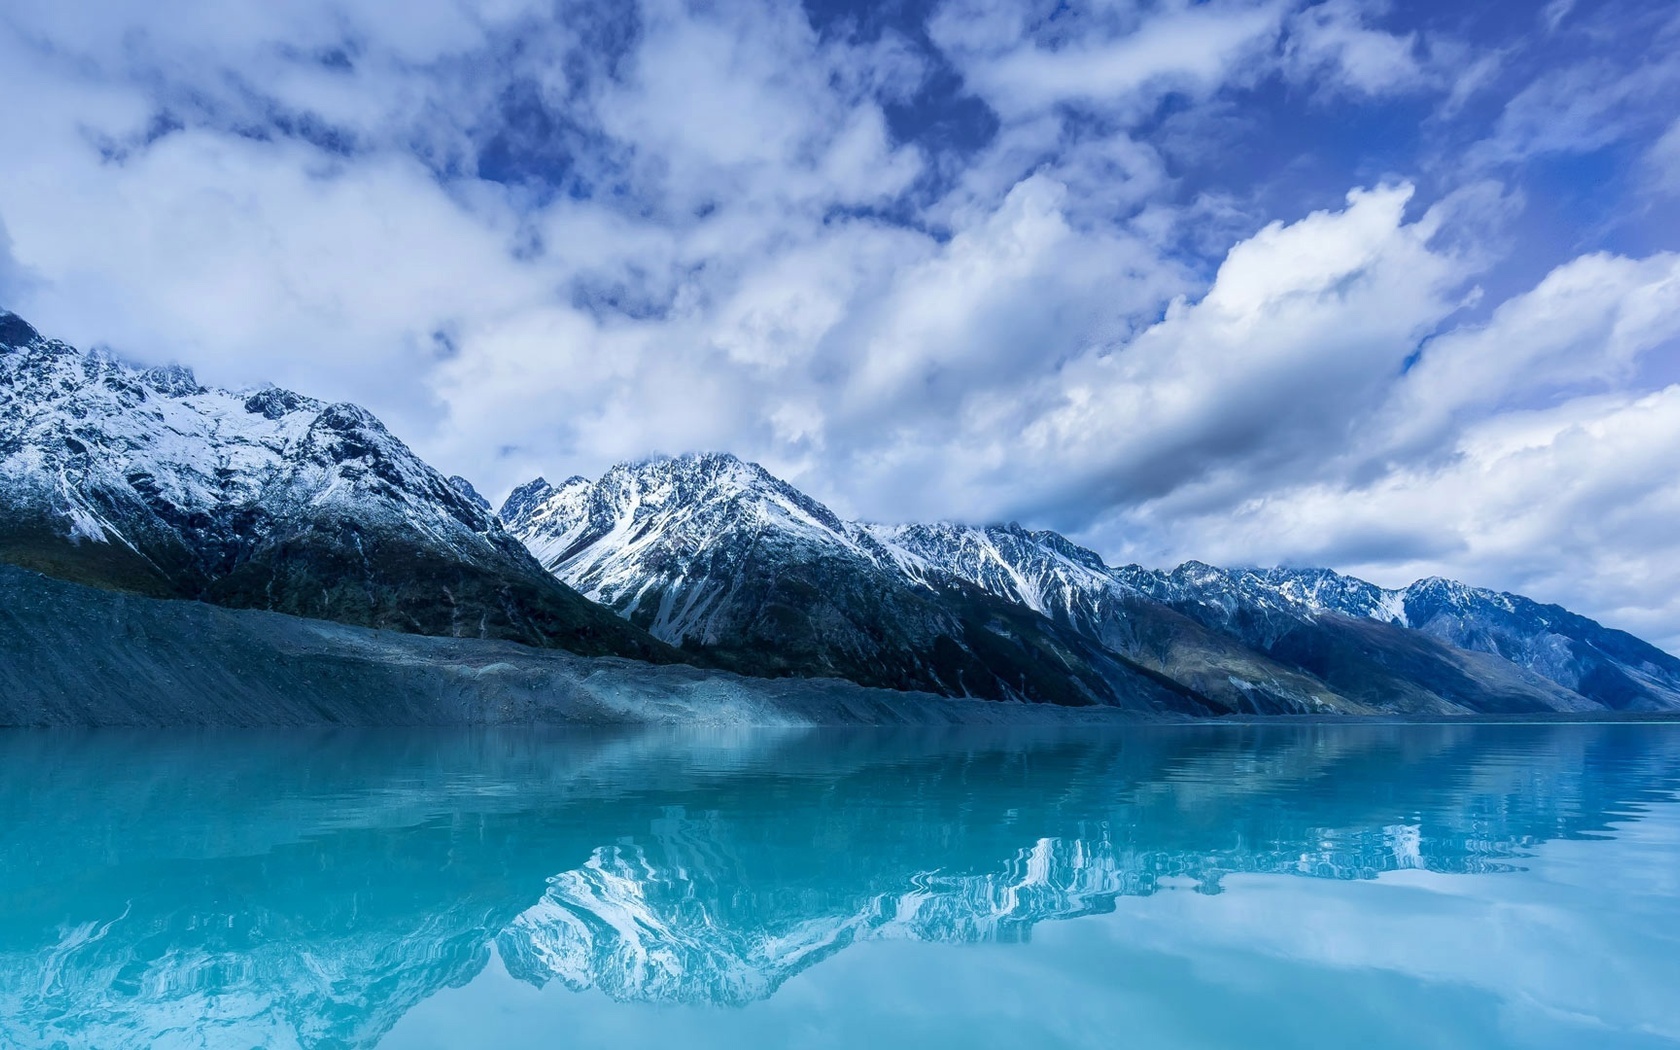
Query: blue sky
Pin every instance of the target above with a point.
(1382, 286)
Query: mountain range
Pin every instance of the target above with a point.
(145, 481)
(718, 556)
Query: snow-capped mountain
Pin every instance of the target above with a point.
(1610, 668)
(716, 555)
(631, 539)
(695, 548)
(1252, 647)
(145, 480)
(1068, 584)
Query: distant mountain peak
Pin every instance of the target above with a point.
(522, 500)
(16, 332)
(696, 476)
(172, 380)
(470, 494)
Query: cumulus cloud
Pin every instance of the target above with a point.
(1020, 64)
(1303, 333)
(1583, 329)
(1337, 34)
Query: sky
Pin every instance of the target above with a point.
(1386, 287)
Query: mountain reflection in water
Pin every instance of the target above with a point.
(313, 888)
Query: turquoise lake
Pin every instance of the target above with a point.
(1196, 886)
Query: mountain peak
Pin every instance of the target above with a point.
(15, 331)
(1440, 585)
(1199, 570)
(524, 498)
(733, 487)
(144, 480)
(172, 380)
(468, 493)
(717, 470)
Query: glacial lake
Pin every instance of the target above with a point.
(1199, 886)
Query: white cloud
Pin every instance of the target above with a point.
(1582, 329)
(1582, 107)
(256, 269)
(1301, 331)
(1182, 48)
(1555, 12)
(1334, 35)
(1662, 161)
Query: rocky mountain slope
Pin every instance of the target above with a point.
(1610, 668)
(147, 481)
(1257, 649)
(717, 556)
(79, 656)
(712, 553)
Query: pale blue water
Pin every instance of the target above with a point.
(1313, 886)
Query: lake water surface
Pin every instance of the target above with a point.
(1199, 886)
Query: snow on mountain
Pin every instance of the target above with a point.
(82, 427)
(713, 553)
(1610, 668)
(636, 539)
(1040, 570)
(663, 541)
(465, 489)
(146, 480)
(1266, 607)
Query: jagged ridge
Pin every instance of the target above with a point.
(693, 547)
(144, 480)
(716, 555)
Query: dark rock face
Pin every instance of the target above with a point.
(147, 481)
(1609, 667)
(1070, 585)
(468, 493)
(15, 331)
(77, 656)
